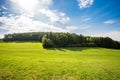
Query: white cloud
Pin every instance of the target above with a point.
(64, 20)
(71, 28)
(84, 27)
(41, 2)
(22, 23)
(55, 16)
(43, 8)
(109, 22)
(115, 35)
(3, 7)
(46, 2)
(31, 5)
(85, 3)
(49, 13)
(86, 19)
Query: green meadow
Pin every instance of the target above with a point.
(30, 61)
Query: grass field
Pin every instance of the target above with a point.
(29, 61)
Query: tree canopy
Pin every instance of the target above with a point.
(50, 39)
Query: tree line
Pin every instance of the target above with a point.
(23, 37)
(50, 39)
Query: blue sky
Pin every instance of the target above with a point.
(87, 17)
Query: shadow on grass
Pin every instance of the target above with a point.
(72, 48)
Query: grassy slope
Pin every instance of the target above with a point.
(29, 61)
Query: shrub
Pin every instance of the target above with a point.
(47, 42)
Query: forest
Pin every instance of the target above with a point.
(50, 39)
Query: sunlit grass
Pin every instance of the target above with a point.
(29, 61)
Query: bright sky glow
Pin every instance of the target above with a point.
(27, 4)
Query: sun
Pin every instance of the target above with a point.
(27, 4)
